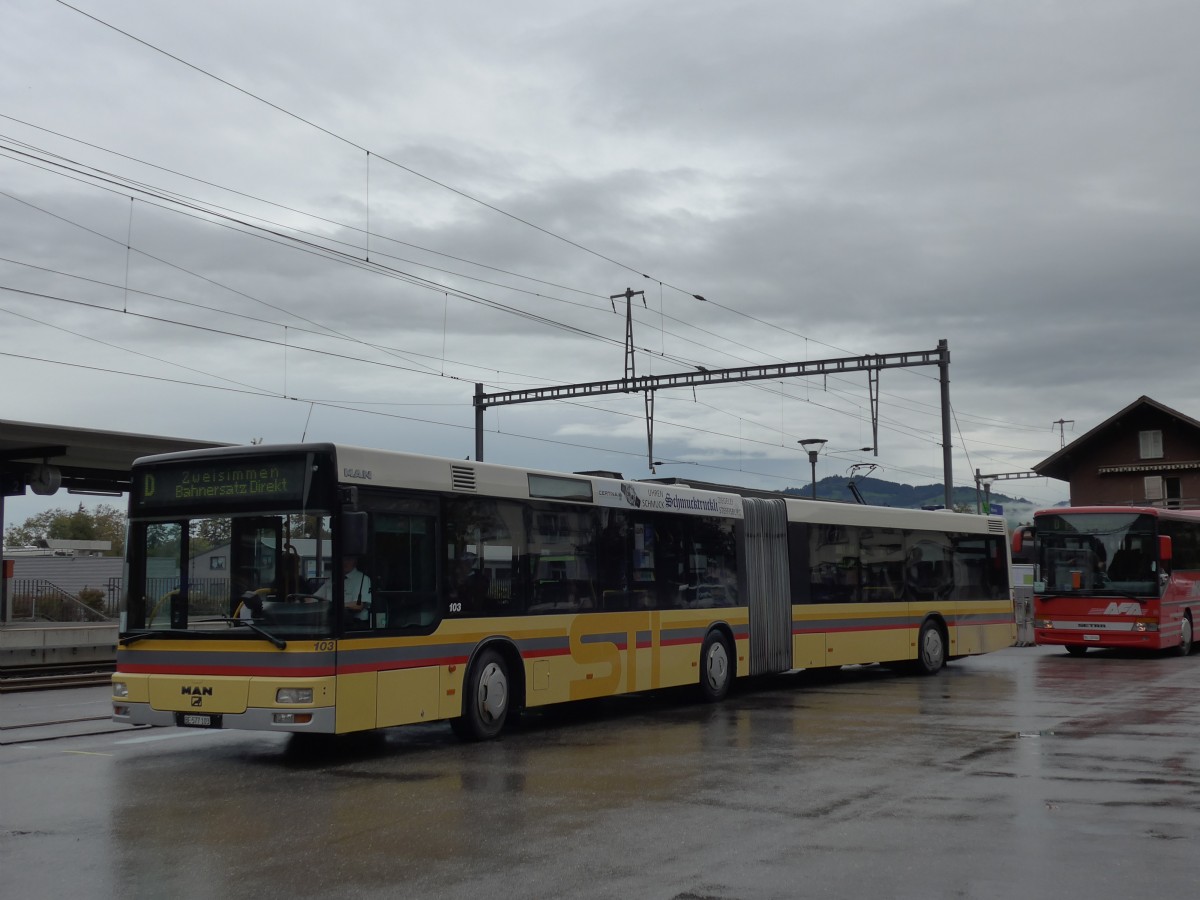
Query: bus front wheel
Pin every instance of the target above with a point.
(1185, 636)
(716, 667)
(486, 697)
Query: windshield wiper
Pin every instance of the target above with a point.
(1093, 592)
(1121, 593)
(178, 632)
(266, 635)
(173, 632)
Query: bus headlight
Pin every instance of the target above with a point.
(120, 689)
(294, 695)
(1042, 623)
(1144, 625)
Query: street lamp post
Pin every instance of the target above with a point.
(813, 446)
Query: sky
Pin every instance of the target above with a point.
(295, 220)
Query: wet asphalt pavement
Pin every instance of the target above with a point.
(1026, 773)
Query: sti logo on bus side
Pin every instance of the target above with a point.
(1118, 609)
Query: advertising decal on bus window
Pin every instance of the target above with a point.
(636, 495)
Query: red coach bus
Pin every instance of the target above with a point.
(1117, 576)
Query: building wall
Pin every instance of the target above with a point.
(1109, 469)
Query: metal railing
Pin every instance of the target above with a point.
(1167, 503)
(39, 600)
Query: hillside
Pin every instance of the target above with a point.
(906, 496)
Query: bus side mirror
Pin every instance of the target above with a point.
(354, 534)
(1164, 550)
(1018, 541)
(1024, 544)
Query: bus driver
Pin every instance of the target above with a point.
(357, 590)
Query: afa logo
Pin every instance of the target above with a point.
(1119, 609)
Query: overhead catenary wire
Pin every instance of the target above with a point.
(439, 183)
(204, 206)
(352, 339)
(662, 283)
(284, 207)
(461, 427)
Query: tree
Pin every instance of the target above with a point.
(104, 523)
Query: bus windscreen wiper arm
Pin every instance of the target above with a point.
(266, 635)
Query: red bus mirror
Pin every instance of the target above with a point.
(1024, 543)
(1164, 548)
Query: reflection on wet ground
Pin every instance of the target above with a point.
(1024, 772)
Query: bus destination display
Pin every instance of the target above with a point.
(222, 483)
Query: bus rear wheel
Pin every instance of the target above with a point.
(716, 667)
(1185, 636)
(931, 649)
(486, 698)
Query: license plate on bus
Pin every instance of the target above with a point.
(197, 720)
(1091, 637)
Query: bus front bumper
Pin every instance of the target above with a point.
(319, 720)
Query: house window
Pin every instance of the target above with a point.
(1151, 444)
(1154, 487)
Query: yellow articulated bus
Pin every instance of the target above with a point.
(329, 589)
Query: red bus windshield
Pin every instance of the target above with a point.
(1099, 553)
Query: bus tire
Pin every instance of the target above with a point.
(487, 695)
(1076, 649)
(1185, 635)
(931, 649)
(716, 666)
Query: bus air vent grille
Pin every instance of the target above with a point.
(996, 526)
(462, 478)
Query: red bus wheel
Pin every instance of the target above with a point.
(1185, 636)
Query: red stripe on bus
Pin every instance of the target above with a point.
(272, 672)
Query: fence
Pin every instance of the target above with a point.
(39, 600)
(206, 596)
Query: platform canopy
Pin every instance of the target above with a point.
(46, 458)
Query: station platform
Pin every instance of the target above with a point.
(27, 644)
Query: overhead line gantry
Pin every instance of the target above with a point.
(648, 384)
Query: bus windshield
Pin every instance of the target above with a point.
(216, 572)
(1099, 553)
